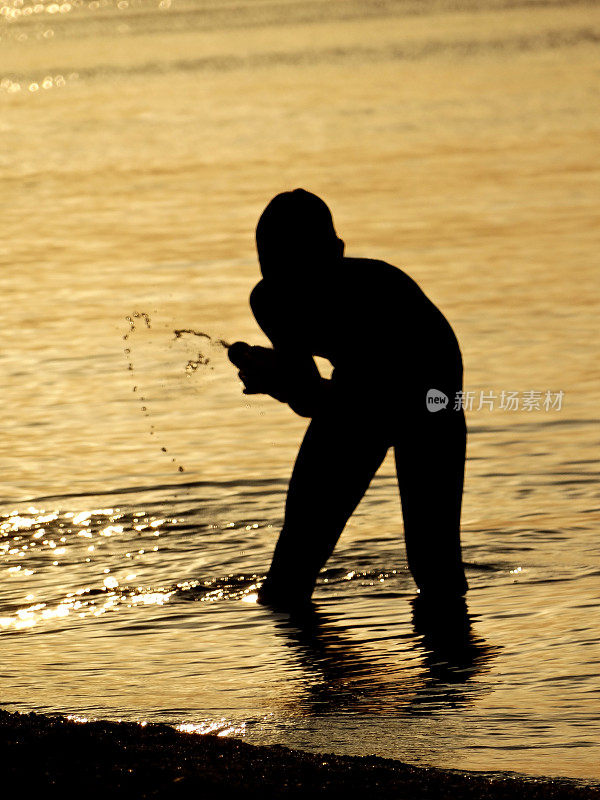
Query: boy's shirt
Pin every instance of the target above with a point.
(381, 333)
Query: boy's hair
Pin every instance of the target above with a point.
(296, 229)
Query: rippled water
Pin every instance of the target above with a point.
(143, 493)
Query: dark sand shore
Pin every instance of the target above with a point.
(58, 757)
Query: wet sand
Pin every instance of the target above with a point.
(65, 758)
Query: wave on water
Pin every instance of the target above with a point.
(35, 542)
(408, 51)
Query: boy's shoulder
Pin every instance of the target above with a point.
(351, 274)
(258, 291)
(375, 266)
(381, 277)
(268, 305)
(259, 297)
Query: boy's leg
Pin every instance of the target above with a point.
(430, 461)
(336, 462)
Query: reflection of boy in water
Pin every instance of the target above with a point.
(388, 345)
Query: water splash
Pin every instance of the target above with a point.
(202, 360)
(179, 332)
(141, 319)
(133, 320)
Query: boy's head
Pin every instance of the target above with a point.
(294, 234)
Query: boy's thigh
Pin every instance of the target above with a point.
(338, 457)
(430, 462)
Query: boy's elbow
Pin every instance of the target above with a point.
(308, 403)
(302, 409)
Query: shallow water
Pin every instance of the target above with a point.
(141, 142)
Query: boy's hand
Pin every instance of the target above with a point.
(258, 369)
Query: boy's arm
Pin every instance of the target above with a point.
(300, 383)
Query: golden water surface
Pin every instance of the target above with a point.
(141, 141)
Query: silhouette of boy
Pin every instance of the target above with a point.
(389, 345)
